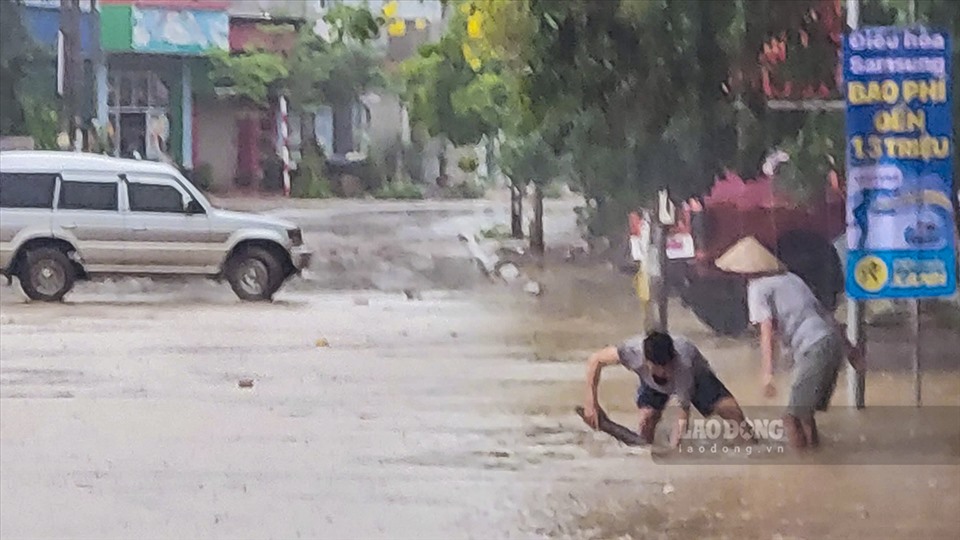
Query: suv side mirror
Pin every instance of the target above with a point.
(193, 207)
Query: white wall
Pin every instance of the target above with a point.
(217, 139)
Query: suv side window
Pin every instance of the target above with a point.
(155, 198)
(27, 190)
(88, 196)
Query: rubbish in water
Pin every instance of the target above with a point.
(668, 489)
(412, 294)
(532, 287)
(322, 342)
(509, 272)
(245, 383)
(487, 262)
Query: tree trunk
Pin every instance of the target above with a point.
(442, 164)
(343, 135)
(516, 211)
(536, 229)
(72, 68)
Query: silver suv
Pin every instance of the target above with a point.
(68, 216)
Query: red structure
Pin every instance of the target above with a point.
(801, 60)
(801, 234)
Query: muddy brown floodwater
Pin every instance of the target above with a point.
(445, 417)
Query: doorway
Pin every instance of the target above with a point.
(133, 134)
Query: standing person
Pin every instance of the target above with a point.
(780, 302)
(666, 367)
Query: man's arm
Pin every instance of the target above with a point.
(681, 427)
(761, 314)
(597, 361)
(766, 357)
(851, 351)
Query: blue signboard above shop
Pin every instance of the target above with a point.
(900, 217)
(167, 31)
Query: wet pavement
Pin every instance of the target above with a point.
(372, 415)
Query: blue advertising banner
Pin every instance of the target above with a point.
(158, 30)
(900, 230)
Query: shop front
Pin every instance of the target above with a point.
(154, 50)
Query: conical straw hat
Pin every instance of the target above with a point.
(748, 256)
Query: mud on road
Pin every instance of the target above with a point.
(372, 415)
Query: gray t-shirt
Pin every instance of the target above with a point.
(787, 300)
(689, 362)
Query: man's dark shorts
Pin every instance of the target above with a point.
(708, 390)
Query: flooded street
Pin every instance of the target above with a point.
(378, 414)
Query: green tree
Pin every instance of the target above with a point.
(332, 73)
(529, 159)
(631, 90)
(17, 53)
(252, 74)
(451, 93)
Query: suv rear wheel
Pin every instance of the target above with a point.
(254, 274)
(47, 274)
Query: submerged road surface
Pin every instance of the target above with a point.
(174, 411)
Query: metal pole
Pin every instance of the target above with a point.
(855, 317)
(663, 295)
(285, 145)
(915, 330)
(915, 327)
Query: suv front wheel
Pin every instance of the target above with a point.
(254, 274)
(47, 274)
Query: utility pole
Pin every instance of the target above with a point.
(72, 61)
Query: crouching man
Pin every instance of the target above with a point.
(666, 367)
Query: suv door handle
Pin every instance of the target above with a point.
(69, 226)
(139, 228)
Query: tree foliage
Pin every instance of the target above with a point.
(252, 74)
(529, 159)
(630, 90)
(317, 70)
(451, 92)
(17, 53)
(332, 72)
(349, 23)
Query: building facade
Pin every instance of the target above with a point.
(148, 91)
(153, 53)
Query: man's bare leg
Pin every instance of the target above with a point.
(796, 435)
(649, 418)
(810, 433)
(728, 409)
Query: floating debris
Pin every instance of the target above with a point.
(509, 272)
(532, 287)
